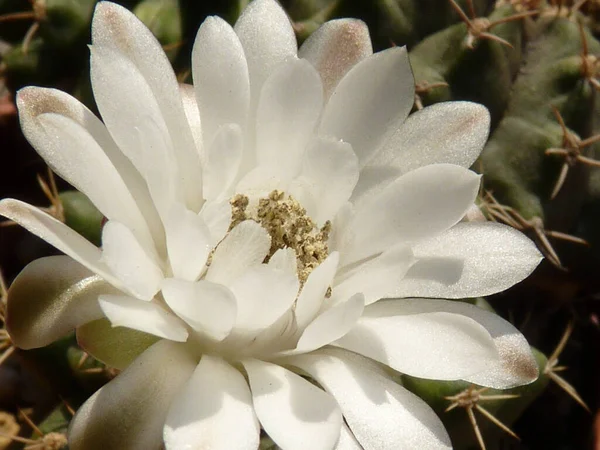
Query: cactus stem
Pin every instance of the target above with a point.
(478, 27)
(552, 368)
(572, 152)
(469, 400)
(589, 63)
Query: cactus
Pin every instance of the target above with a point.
(532, 63)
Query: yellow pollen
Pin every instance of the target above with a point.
(289, 226)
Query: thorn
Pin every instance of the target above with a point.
(422, 87)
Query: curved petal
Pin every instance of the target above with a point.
(470, 260)
(420, 204)
(77, 146)
(448, 132)
(381, 413)
(213, 411)
(268, 39)
(222, 160)
(142, 316)
(209, 308)
(437, 345)
(245, 246)
(296, 414)
(117, 29)
(516, 365)
(58, 235)
(192, 113)
(313, 292)
(136, 123)
(328, 176)
(188, 242)
(264, 294)
(336, 47)
(332, 324)
(347, 440)
(128, 260)
(115, 347)
(220, 74)
(51, 297)
(290, 104)
(121, 414)
(377, 278)
(372, 100)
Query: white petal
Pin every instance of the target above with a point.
(381, 414)
(516, 365)
(263, 295)
(188, 242)
(436, 345)
(450, 132)
(217, 217)
(51, 297)
(143, 316)
(192, 113)
(207, 307)
(59, 235)
(285, 260)
(288, 109)
(129, 261)
(243, 247)
(268, 39)
(373, 98)
(377, 278)
(135, 121)
(335, 48)
(470, 260)
(420, 204)
(70, 138)
(138, 425)
(347, 440)
(313, 292)
(220, 76)
(116, 28)
(222, 161)
(327, 179)
(294, 413)
(332, 324)
(213, 411)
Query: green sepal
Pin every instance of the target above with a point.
(82, 216)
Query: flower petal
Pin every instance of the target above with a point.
(220, 74)
(332, 324)
(192, 113)
(381, 413)
(122, 414)
(222, 161)
(516, 365)
(347, 440)
(375, 96)
(290, 104)
(328, 176)
(263, 295)
(58, 235)
(115, 347)
(449, 132)
(336, 47)
(209, 308)
(420, 204)
(294, 413)
(142, 316)
(188, 242)
(313, 292)
(51, 297)
(128, 260)
(117, 29)
(213, 411)
(268, 39)
(437, 345)
(470, 260)
(78, 147)
(378, 278)
(245, 246)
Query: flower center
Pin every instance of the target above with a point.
(288, 225)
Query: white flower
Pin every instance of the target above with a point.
(255, 222)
